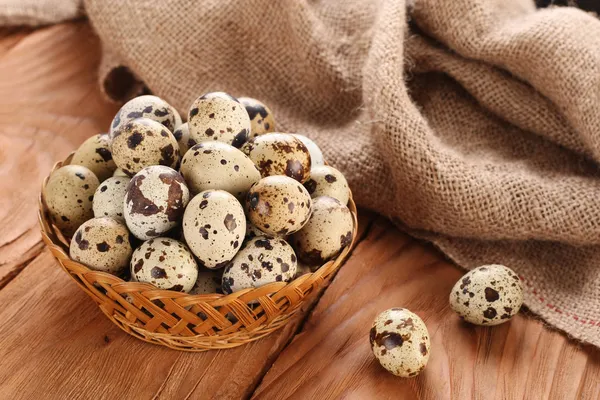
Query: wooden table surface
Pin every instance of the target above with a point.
(55, 343)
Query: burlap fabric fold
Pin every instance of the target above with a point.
(474, 124)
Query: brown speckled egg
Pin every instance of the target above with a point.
(208, 282)
(488, 295)
(400, 342)
(182, 135)
(69, 195)
(103, 245)
(218, 116)
(95, 154)
(178, 120)
(154, 202)
(119, 172)
(252, 231)
(262, 260)
(146, 106)
(328, 231)
(165, 263)
(108, 199)
(279, 154)
(141, 143)
(278, 205)
(261, 117)
(217, 165)
(328, 181)
(214, 226)
(316, 155)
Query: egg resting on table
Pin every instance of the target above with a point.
(488, 295)
(278, 205)
(69, 194)
(95, 154)
(217, 165)
(102, 244)
(142, 143)
(279, 154)
(262, 260)
(214, 226)
(400, 342)
(155, 201)
(218, 116)
(166, 263)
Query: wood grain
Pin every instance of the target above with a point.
(331, 358)
(55, 343)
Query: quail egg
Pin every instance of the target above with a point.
(154, 202)
(316, 155)
(208, 282)
(141, 143)
(69, 194)
(261, 117)
(217, 165)
(218, 116)
(278, 205)
(214, 226)
(252, 231)
(400, 342)
(262, 260)
(146, 106)
(488, 295)
(108, 199)
(328, 181)
(165, 263)
(103, 245)
(279, 154)
(182, 135)
(95, 154)
(328, 230)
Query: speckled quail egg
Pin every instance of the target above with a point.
(218, 116)
(165, 263)
(278, 205)
(69, 194)
(400, 342)
(154, 202)
(214, 226)
(103, 245)
(146, 106)
(95, 154)
(328, 181)
(108, 199)
(261, 117)
(279, 154)
(182, 135)
(262, 260)
(178, 120)
(141, 143)
(316, 155)
(328, 230)
(208, 282)
(488, 295)
(217, 165)
(119, 172)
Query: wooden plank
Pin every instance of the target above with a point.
(331, 357)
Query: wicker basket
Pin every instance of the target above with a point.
(190, 322)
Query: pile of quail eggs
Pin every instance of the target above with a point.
(218, 204)
(487, 296)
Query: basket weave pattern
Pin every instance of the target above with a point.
(190, 322)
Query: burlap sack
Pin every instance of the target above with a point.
(475, 126)
(37, 12)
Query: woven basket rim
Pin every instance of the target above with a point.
(274, 302)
